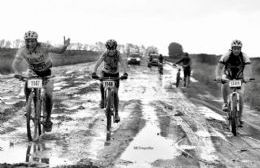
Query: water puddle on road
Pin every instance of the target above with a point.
(148, 145)
(30, 152)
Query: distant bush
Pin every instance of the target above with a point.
(67, 58)
(175, 50)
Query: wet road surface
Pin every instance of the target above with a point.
(160, 127)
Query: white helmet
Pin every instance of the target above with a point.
(236, 43)
(30, 35)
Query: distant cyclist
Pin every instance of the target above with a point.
(160, 59)
(37, 56)
(186, 64)
(111, 58)
(234, 63)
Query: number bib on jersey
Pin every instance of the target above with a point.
(34, 83)
(235, 83)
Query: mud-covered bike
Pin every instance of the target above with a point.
(160, 68)
(178, 75)
(234, 102)
(111, 93)
(35, 105)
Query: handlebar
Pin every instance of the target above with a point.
(109, 78)
(25, 78)
(227, 80)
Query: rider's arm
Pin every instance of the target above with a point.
(57, 50)
(17, 61)
(99, 61)
(179, 61)
(248, 67)
(122, 61)
(219, 70)
(221, 65)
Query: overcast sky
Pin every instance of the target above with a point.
(201, 26)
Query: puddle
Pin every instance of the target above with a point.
(208, 113)
(148, 145)
(43, 153)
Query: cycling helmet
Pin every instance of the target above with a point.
(111, 44)
(30, 35)
(236, 43)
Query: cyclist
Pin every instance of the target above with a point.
(37, 56)
(160, 59)
(186, 64)
(111, 59)
(234, 63)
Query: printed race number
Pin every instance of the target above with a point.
(34, 83)
(109, 83)
(235, 83)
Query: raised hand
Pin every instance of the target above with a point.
(66, 41)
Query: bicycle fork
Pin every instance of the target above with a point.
(237, 103)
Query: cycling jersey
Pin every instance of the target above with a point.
(234, 65)
(38, 60)
(111, 60)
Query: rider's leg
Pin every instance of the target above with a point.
(240, 113)
(188, 77)
(48, 103)
(225, 91)
(184, 78)
(103, 74)
(26, 91)
(116, 99)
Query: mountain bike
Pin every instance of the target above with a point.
(35, 105)
(234, 102)
(110, 91)
(178, 76)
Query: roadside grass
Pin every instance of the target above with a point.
(67, 58)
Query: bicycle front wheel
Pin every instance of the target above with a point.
(32, 118)
(108, 110)
(233, 115)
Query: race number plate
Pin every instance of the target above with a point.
(235, 83)
(109, 83)
(34, 83)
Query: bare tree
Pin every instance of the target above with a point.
(17, 43)
(7, 44)
(2, 43)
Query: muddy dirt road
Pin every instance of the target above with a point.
(159, 127)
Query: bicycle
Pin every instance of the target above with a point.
(35, 105)
(109, 84)
(234, 104)
(178, 76)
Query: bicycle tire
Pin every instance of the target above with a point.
(38, 112)
(234, 115)
(30, 119)
(108, 110)
(43, 114)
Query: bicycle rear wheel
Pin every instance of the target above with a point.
(108, 110)
(32, 118)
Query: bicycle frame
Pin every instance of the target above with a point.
(37, 99)
(234, 103)
(110, 90)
